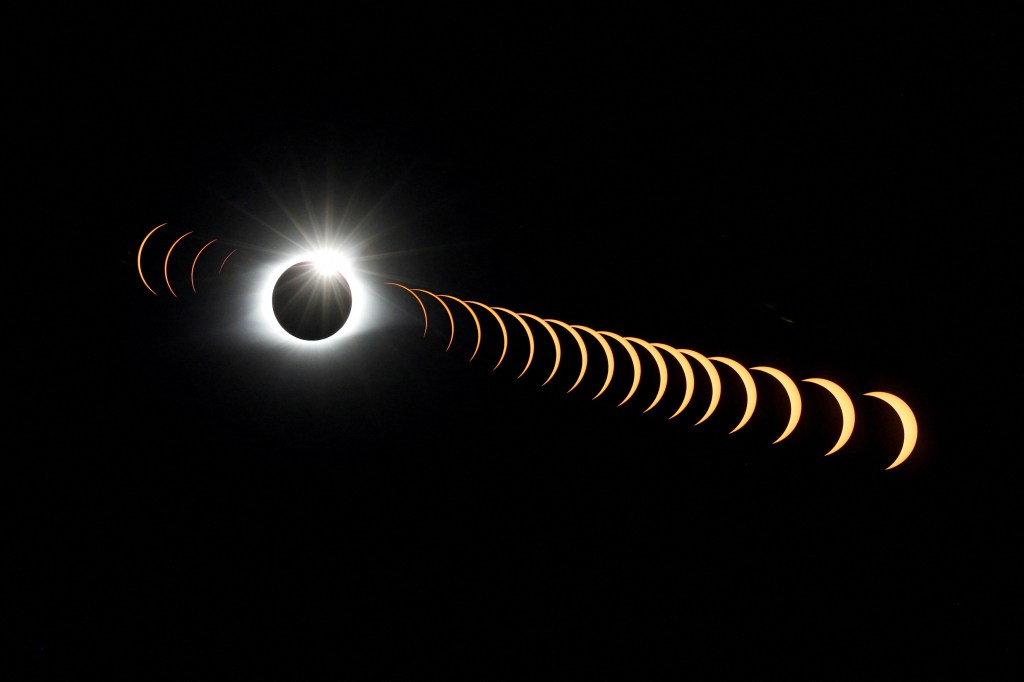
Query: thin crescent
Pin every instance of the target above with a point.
(418, 300)
(141, 246)
(167, 259)
(448, 310)
(636, 363)
(192, 275)
(795, 405)
(583, 349)
(845, 406)
(716, 381)
(504, 331)
(529, 335)
(909, 425)
(607, 353)
(748, 384)
(662, 369)
(476, 320)
(221, 268)
(554, 338)
(687, 372)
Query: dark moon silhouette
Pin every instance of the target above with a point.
(311, 303)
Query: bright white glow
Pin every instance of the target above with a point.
(330, 262)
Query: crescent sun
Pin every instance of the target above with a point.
(529, 336)
(167, 259)
(476, 321)
(795, 405)
(451, 318)
(748, 384)
(501, 325)
(607, 353)
(192, 274)
(634, 358)
(845, 406)
(418, 300)
(583, 349)
(662, 369)
(139, 258)
(554, 339)
(687, 373)
(909, 425)
(716, 381)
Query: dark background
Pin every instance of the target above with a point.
(830, 195)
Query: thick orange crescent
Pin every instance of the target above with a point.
(167, 259)
(795, 405)
(554, 339)
(607, 353)
(845, 406)
(636, 363)
(909, 425)
(716, 381)
(476, 320)
(501, 324)
(583, 349)
(687, 372)
(529, 336)
(418, 300)
(141, 246)
(748, 384)
(448, 310)
(192, 274)
(662, 369)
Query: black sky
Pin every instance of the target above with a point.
(830, 195)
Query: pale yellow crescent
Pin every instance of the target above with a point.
(795, 406)
(748, 385)
(662, 369)
(687, 373)
(583, 349)
(909, 425)
(607, 353)
(716, 381)
(845, 406)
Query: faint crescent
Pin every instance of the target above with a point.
(554, 338)
(716, 381)
(748, 384)
(448, 310)
(662, 369)
(529, 335)
(795, 405)
(909, 425)
(845, 406)
(418, 300)
(583, 350)
(192, 275)
(167, 259)
(607, 353)
(476, 320)
(687, 372)
(143, 244)
(221, 268)
(504, 332)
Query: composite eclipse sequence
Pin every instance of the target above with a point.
(317, 297)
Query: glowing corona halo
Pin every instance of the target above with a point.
(327, 262)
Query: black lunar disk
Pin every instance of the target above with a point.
(312, 302)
